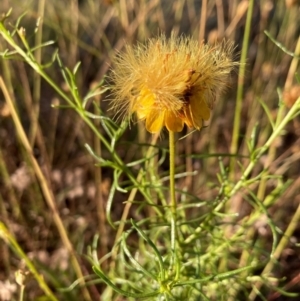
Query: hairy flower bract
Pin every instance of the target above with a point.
(170, 82)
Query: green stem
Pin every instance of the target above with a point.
(44, 184)
(76, 106)
(22, 289)
(278, 251)
(11, 241)
(240, 88)
(173, 204)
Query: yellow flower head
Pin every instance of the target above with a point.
(171, 82)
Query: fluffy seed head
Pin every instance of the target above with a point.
(170, 82)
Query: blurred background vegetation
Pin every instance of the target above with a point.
(92, 32)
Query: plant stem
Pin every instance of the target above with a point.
(11, 242)
(173, 204)
(22, 289)
(45, 187)
(74, 105)
(240, 88)
(278, 251)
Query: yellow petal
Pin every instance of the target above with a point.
(144, 103)
(173, 122)
(199, 108)
(186, 116)
(155, 120)
(205, 111)
(197, 121)
(143, 112)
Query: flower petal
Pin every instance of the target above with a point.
(173, 122)
(196, 120)
(186, 116)
(155, 120)
(144, 103)
(199, 108)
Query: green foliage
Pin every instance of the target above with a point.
(225, 239)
